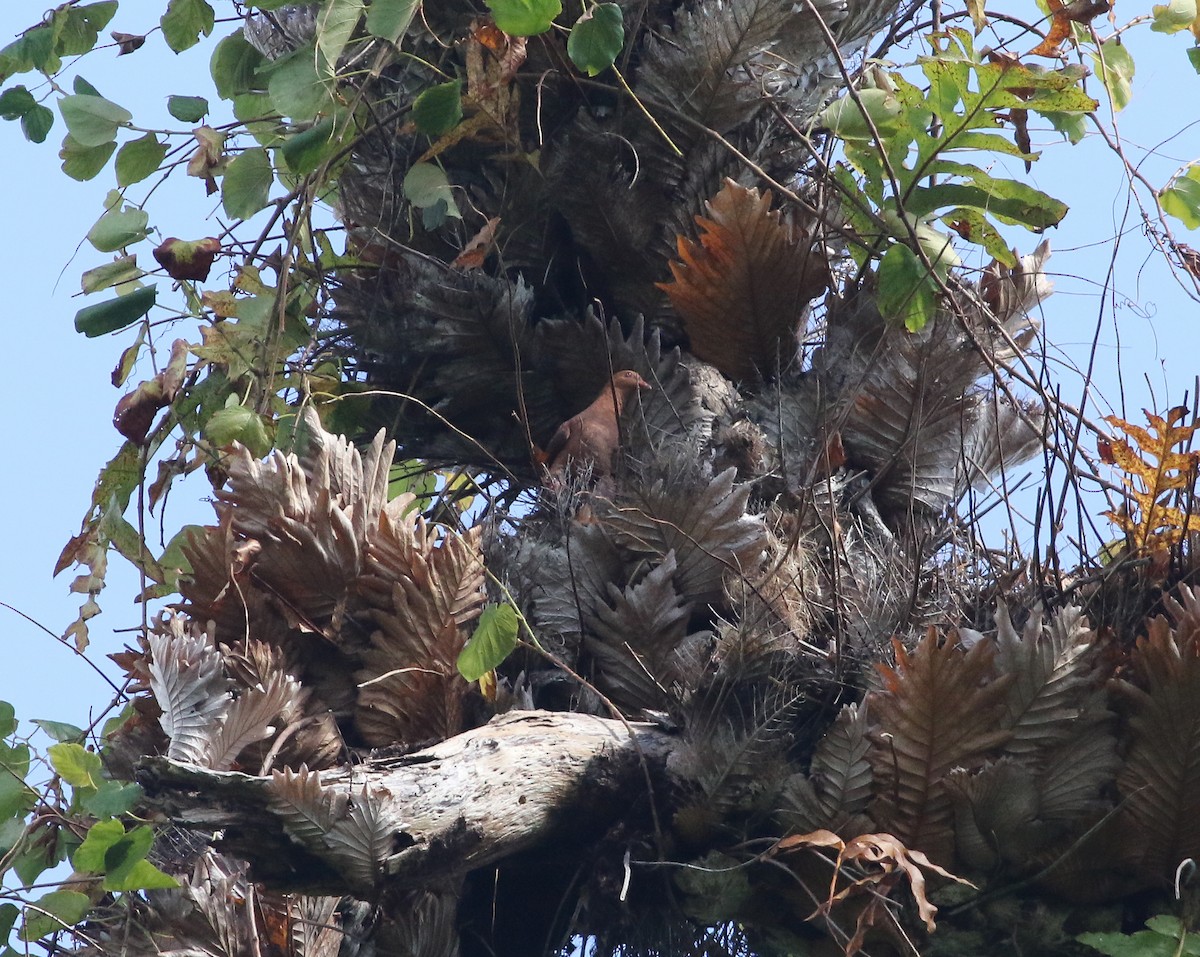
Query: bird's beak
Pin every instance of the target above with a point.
(643, 384)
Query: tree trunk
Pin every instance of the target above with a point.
(526, 780)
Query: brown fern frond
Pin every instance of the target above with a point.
(410, 688)
(1160, 781)
(741, 291)
(636, 640)
(940, 709)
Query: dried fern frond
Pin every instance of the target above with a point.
(410, 690)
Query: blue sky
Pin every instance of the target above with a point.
(57, 430)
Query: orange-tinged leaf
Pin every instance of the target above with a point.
(741, 291)
(1062, 15)
(476, 250)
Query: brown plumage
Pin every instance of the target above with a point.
(593, 436)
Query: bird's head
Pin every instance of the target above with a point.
(629, 381)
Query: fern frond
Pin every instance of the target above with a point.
(636, 639)
(703, 521)
(742, 290)
(1053, 669)
(939, 710)
(1160, 781)
(189, 684)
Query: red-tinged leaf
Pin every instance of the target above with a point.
(187, 260)
(72, 552)
(135, 411)
(1160, 780)
(741, 291)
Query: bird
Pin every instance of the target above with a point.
(591, 438)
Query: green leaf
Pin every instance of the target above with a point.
(1162, 940)
(1174, 16)
(493, 640)
(15, 797)
(107, 843)
(84, 162)
(295, 87)
(524, 18)
(1115, 71)
(8, 917)
(907, 293)
(305, 151)
(596, 39)
(1194, 57)
(53, 912)
(15, 102)
(425, 186)
(1170, 926)
(76, 765)
(1072, 125)
(246, 183)
(110, 274)
(845, 120)
(438, 109)
(60, 730)
(237, 423)
(33, 50)
(185, 21)
(389, 19)
(8, 720)
(112, 799)
(974, 227)
(78, 28)
(234, 66)
(187, 109)
(334, 28)
(92, 120)
(84, 88)
(141, 876)
(30, 862)
(119, 228)
(1006, 199)
(1181, 197)
(37, 123)
(114, 314)
(139, 158)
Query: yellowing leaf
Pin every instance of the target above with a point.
(1154, 471)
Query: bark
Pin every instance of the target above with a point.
(526, 780)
